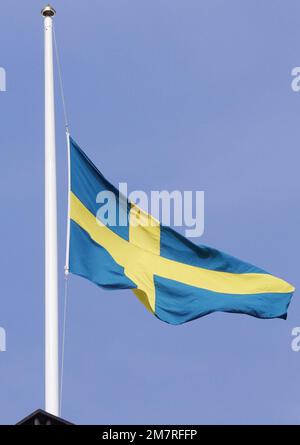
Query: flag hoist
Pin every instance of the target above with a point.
(51, 286)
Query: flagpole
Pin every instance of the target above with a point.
(51, 285)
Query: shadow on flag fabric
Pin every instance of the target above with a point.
(175, 279)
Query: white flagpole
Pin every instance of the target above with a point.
(51, 286)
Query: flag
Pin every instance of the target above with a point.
(175, 279)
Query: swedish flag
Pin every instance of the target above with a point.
(175, 279)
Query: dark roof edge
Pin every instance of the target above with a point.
(41, 412)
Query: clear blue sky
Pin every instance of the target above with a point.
(188, 95)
